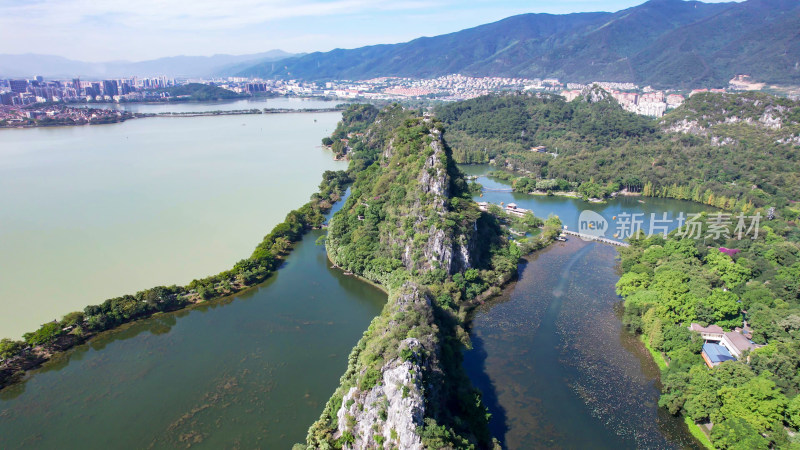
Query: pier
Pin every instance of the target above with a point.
(588, 237)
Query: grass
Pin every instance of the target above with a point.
(657, 356)
(698, 433)
(694, 428)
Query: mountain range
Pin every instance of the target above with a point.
(27, 65)
(663, 43)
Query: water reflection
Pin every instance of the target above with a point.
(247, 371)
(555, 366)
(568, 209)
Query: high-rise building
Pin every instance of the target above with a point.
(110, 88)
(7, 98)
(18, 86)
(95, 90)
(76, 84)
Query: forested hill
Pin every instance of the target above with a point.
(732, 151)
(753, 282)
(411, 225)
(665, 43)
(200, 92)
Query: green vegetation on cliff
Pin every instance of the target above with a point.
(411, 225)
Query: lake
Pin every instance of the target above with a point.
(550, 355)
(254, 371)
(93, 212)
(568, 209)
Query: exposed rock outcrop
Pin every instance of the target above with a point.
(391, 411)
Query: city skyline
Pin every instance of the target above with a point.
(85, 31)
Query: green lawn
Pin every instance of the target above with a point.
(657, 356)
(698, 433)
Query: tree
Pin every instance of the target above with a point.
(9, 348)
(281, 245)
(731, 273)
(757, 401)
(631, 282)
(793, 412)
(73, 318)
(737, 434)
(724, 307)
(46, 334)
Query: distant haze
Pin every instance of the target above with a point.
(29, 65)
(662, 43)
(85, 30)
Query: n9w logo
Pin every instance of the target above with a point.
(592, 224)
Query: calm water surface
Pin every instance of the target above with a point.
(568, 209)
(250, 372)
(93, 212)
(225, 105)
(555, 365)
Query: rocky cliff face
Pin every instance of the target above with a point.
(443, 250)
(595, 94)
(408, 224)
(389, 413)
(701, 113)
(413, 213)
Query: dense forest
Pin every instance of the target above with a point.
(733, 151)
(738, 152)
(752, 402)
(411, 225)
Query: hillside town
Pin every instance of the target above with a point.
(640, 100)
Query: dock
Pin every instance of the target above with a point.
(588, 237)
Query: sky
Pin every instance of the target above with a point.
(106, 30)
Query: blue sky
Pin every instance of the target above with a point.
(103, 30)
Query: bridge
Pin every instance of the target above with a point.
(589, 237)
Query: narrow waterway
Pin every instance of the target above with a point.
(550, 355)
(555, 365)
(252, 371)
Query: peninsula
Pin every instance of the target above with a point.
(411, 226)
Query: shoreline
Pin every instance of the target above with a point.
(56, 357)
(374, 284)
(134, 116)
(60, 336)
(694, 428)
